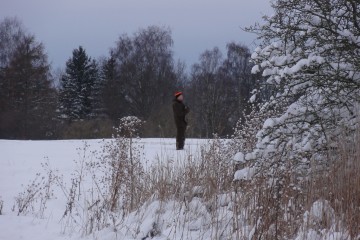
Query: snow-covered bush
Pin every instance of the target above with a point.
(117, 186)
(309, 53)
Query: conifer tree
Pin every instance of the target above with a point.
(76, 99)
(27, 99)
(97, 90)
(112, 90)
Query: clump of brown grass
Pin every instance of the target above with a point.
(205, 176)
(340, 185)
(277, 205)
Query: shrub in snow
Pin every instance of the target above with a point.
(316, 82)
(122, 163)
(33, 200)
(215, 174)
(129, 127)
(117, 182)
(309, 54)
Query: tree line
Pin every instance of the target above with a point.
(137, 78)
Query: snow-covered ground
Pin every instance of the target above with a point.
(22, 160)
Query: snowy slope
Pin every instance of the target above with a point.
(22, 160)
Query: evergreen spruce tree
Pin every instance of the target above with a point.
(76, 86)
(113, 91)
(97, 89)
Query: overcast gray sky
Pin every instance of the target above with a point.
(197, 25)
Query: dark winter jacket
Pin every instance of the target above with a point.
(180, 110)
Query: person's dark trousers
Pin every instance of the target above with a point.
(180, 138)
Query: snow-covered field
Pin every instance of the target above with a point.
(22, 160)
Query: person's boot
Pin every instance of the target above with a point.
(179, 146)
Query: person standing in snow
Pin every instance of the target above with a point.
(180, 110)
